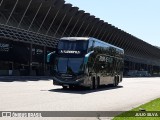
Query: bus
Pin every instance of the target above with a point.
(86, 61)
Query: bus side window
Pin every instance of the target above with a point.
(90, 45)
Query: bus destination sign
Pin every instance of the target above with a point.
(70, 52)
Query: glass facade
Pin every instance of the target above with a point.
(17, 58)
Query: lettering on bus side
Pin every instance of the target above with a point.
(70, 52)
(105, 59)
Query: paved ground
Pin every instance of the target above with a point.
(41, 95)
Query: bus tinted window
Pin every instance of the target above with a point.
(72, 45)
(76, 64)
(70, 65)
(62, 65)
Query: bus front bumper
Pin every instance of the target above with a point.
(78, 82)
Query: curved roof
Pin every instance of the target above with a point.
(53, 19)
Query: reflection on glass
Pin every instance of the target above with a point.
(72, 45)
(70, 65)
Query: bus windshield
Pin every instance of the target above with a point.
(69, 65)
(72, 45)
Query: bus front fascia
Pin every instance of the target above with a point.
(80, 80)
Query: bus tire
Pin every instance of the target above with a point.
(71, 86)
(92, 85)
(98, 82)
(64, 87)
(114, 82)
(117, 81)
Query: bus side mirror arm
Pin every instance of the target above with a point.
(49, 56)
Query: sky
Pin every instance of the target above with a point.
(141, 18)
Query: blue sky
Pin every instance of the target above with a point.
(140, 18)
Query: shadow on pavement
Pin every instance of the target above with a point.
(23, 78)
(82, 90)
(153, 76)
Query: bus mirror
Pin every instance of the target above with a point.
(87, 56)
(49, 56)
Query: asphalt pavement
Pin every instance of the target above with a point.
(42, 95)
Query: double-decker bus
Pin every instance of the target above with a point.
(86, 61)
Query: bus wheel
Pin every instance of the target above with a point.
(97, 82)
(114, 82)
(92, 85)
(71, 86)
(64, 87)
(117, 81)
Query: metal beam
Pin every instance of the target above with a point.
(99, 26)
(66, 8)
(1, 2)
(85, 16)
(101, 31)
(113, 40)
(52, 22)
(74, 27)
(35, 16)
(116, 38)
(44, 19)
(79, 29)
(120, 39)
(90, 21)
(67, 26)
(108, 26)
(24, 13)
(103, 34)
(60, 25)
(79, 16)
(96, 21)
(110, 35)
(85, 30)
(11, 12)
(74, 11)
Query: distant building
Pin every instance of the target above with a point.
(30, 29)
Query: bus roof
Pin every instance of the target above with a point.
(107, 43)
(88, 38)
(75, 38)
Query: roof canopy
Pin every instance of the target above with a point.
(43, 21)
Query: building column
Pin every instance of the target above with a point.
(44, 59)
(147, 67)
(30, 62)
(133, 65)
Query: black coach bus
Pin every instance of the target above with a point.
(86, 61)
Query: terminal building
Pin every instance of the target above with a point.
(30, 29)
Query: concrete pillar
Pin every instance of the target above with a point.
(44, 59)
